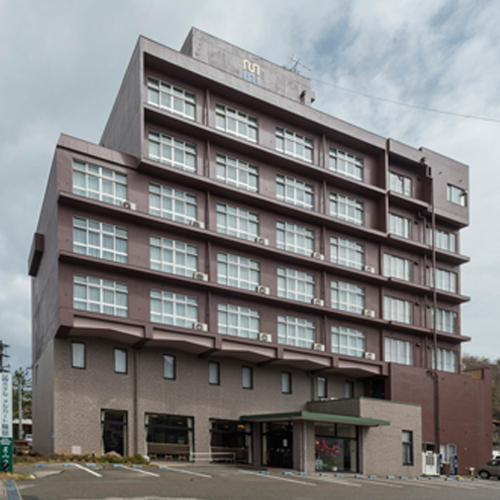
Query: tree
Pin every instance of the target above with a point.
(21, 380)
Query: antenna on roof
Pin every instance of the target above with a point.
(295, 65)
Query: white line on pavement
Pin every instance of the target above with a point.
(336, 480)
(382, 483)
(276, 477)
(143, 471)
(188, 472)
(87, 470)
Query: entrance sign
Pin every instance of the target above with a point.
(6, 422)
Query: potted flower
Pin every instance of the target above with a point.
(326, 455)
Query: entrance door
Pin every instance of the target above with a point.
(278, 444)
(114, 432)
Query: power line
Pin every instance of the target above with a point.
(414, 106)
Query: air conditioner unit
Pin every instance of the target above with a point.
(370, 269)
(261, 241)
(265, 337)
(200, 276)
(203, 327)
(319, 347)
(317, 255)
(370, 355)
(197, 223)
(369, 313)
(263, 289)
(317, 302)
(128, 204)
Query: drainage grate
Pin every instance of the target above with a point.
(12, 493)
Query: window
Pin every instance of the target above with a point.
(398, 310)
(456, 195)
(400, 184)
(237, 173)
(397, 267)
(238, 321)
(294, 238)
(100, 240)
(349, 389)
(172, 256)
(172, 204)
(296, 331)
(213, 373)
(447, 361)
(238, 222)
(446, 321)
(238, 272)
(446, 280)
(398, 351)
(322, 387)
(400, 226)
(348, 341)
(78, 355)
(347, 297)
(346, 164)
(347, 253)
(294, 144)
(101, 296)
(120, 360)
(171, 151)
(345, 208)
(171, 97)
(236, 122)
(286, 382)
(294, 191)
(247, 377)
(99, 183)
(445, 240)
(295, 285)
(168, 367)
(407, 448)
(173, 309)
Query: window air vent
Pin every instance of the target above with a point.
(200, 276)
(262, 241)
(130, 205)
(265, 337)
(370, 269)
(317, 302)
(370, 355)
(369, 313)
(203, 327)
(317, 255)
(319, 347)
(263, 289)
(197, 223)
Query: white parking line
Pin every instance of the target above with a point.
(142, 471)
(276, 477)
(188, 472)
(87, 470)
(336, 480)
(421, 484)
(383, 483)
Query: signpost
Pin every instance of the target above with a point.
(6, 422)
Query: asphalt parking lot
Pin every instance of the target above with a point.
(190, 482)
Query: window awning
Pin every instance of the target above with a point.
(309, 416)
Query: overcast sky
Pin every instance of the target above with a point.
(61, 64)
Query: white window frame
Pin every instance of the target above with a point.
(99, 183)
(78, 355)
(238, 272)
(445, 240)
(100, 296)
(294, 238)
(398, 310)
(398, 267)
(400, 226)
(100, 240)
(173, 98)
(348, 253)
(237, 173)
(447, 360)
(172, 151)
(294, 191)
(446, 321)
(346, 164)
(348, 341)
(345, 208)
(237, 222)
(169, 367)
(400, 184)
(175, 309)
(121, 360)
(238, 321)
(294, 144)
(322, 387)
(456, 195)
(236, 122)
(172, 204)
(398, 351)
(445, 280)
(347, 297)
(296, 332)
(172, 256)
(295, 285)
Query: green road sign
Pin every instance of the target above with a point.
(6, 454)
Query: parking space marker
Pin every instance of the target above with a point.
(188, 472)
(389, 484)
(135, 469)
(278, 478)
(87, 470)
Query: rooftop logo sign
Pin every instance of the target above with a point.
(251, 72)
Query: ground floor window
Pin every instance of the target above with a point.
(336, 447)
(114, 432)
(407, 447)
(277, 444)
(231, 441)
(169, 436)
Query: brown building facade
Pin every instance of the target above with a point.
(232, 274)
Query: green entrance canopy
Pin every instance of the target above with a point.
(310, 416)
